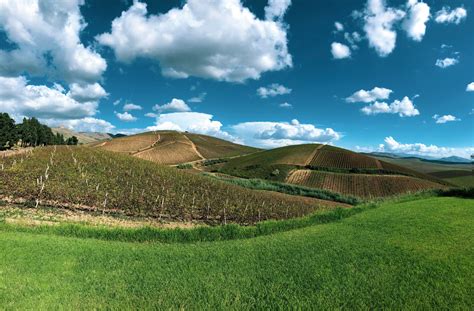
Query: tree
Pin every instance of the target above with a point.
(72, 140)
(8, 133)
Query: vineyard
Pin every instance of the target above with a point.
(130, 144)
(170, 153)
(331, 157)
(361, 185)
(213, 148)
(92, 179)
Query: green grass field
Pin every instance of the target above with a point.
(411, 255)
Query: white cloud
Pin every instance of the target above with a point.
(130, 107)
(20, 99)
(198, 99)
(277, 134)
(353, 39)
(176, 105)
(379, 26)
(448, 16)
(339, 26)
(87, 92)
(340, 51)
(194, 122)
(446, 118)
(221, 40)
(391, 145)
(126, 117)
(82, 125)
(418, 16)
(46, 39)
(470, 87)
(151, 115)
(404, 108)
(363, 96)
(276, 9)
(286, 105)
(273, 90)
(447, 62)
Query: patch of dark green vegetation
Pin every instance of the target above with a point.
(198, 234)
(261, 184)
(213, 162)
(466, 193)
(185, 166)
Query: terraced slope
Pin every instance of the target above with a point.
(316, 166)
(361, 185)
(171, 148)
(93, 179)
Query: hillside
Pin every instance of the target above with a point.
(460, 174)
(91, 179)
(83, 137)
(331, 168)
(170, 148)
(411, 255)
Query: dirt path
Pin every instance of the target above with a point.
(194, 147)
(379, 165)
(313, 154)
(147, 148)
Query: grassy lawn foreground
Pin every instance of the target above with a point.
(417, 255)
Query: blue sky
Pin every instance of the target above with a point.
(367, 75)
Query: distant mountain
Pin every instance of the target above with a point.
(455, 159)
(83, 137)
(452, 159)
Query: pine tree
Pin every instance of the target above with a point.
(8, 133)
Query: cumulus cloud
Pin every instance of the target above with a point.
(353, 39)
(379, 26)
(273, 90)
(87, 92)
(404, 108)
(130, 107)
(446, 62)
(221, 40)
(276, 9)
(444, 119)
(176, 105)
(470, 87)
(277, 134)
(391, 145)
(194, 122)
(21, 99)
(340, 51)
(286, 105)
(448, 16)
(46, 40)
(363, 96)
(418, 16)
(126, 116)
(198, 99)
(339, 26)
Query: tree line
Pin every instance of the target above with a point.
(30, 133)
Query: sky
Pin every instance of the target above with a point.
(368, 75)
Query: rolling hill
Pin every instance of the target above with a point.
(171, 148)
(83, 137)
(331, 168)
(94, 180)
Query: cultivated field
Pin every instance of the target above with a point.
(89, 178)
(171, 148)
(361, 185)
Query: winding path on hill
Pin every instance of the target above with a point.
(194, 147)
(149, 147)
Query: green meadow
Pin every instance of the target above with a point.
(406, 254)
